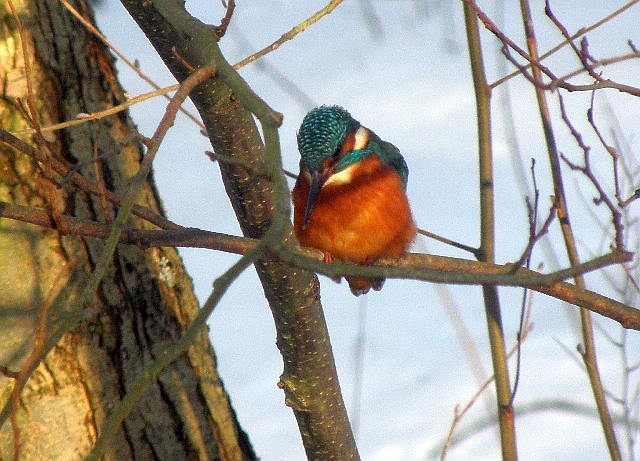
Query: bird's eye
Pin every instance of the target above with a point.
(337, 153)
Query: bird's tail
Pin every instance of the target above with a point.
(361, 285)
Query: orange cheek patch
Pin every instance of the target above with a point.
(349, 143)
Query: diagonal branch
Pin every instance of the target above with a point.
(227, 106)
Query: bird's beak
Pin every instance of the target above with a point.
(317, 180)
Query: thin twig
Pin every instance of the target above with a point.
(28, 366)
(613, 153)
(220, 30)
(534, 235)
(105, 113)
(97, 171)
(332, 5)
(581, 53)
(33, 119)
(585, 169)
(461, 246)
(535, 63)
(63, 168)
(459, 414)
(132, 65)
(577, 35)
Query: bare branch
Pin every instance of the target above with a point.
(585, 169)
(220, 30)
(332, 5)
(63, 168)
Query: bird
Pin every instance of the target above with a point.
(349, 199)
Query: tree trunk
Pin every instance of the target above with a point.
(144, 302)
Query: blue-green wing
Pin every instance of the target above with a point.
(390, 155)
(386, 152)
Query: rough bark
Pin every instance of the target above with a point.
(143, 303)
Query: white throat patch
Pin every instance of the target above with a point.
(345, 176)
(362, 138)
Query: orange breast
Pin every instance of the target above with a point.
(364, 219)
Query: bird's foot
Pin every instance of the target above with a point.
(328, 259)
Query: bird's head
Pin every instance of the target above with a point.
(322, 134)
(321, 139)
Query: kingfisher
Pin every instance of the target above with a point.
(350, 198)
